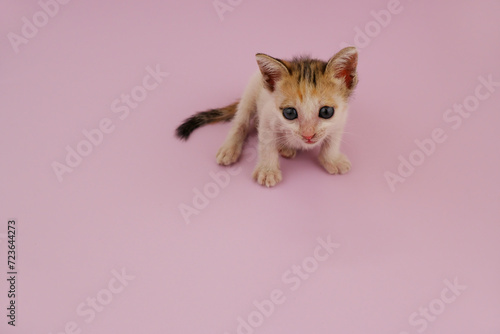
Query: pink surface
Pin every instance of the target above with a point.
(396, 251)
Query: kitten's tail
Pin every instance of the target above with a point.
(205, 117)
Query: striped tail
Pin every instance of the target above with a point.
(202, 118)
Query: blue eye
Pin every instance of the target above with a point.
(326, 112)
(290, 113)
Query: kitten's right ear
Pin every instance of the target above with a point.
(272, 69)
(343, 66)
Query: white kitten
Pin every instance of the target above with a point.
(298, 104)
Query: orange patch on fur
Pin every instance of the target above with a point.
(299, 94)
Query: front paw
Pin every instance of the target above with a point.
(266, 176)
(287, 152)
(228, 154)
(340, 165)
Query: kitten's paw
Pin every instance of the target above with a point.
(228, 155)
(340, 165)
(288, 153)
(267, 177)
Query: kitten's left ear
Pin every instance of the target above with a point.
(343, 66)
(272, 69)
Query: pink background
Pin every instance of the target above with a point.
(120, 207)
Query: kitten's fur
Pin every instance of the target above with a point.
(304, 84)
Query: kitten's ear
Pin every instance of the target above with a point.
(343, 66)
(272, 69)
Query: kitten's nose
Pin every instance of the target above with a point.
(308, 136)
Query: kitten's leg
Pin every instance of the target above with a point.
(287, 152)
(267, 172)
(230, 151)
(331, 158)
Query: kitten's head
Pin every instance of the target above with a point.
(311, 95)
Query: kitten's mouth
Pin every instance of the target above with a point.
(310, 139)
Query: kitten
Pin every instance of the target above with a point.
(298, 104)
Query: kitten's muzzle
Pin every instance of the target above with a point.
(309, 139)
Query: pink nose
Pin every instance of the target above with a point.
(308, 137)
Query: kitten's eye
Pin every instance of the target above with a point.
(326, 112)
(290, 113)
